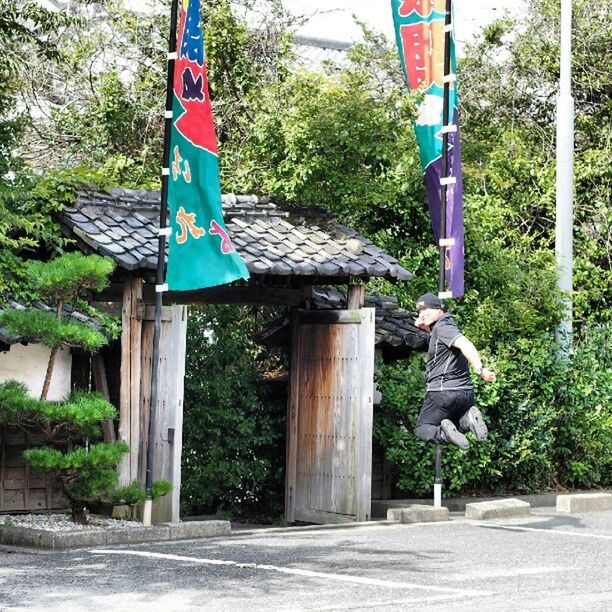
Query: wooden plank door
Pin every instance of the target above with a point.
(329, 451)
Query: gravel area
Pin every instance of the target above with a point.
(63, 522)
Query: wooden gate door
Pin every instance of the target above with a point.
(136, 361)
(329, 445)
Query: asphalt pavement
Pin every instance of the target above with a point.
(544, 562)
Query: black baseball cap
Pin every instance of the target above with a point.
(429, 300)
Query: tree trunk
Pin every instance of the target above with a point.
(52, 356)
(50, 366)
(79, 515)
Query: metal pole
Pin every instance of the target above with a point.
(565, 179)
(438, 478)
(446, 120)
(445, 160)
(161, 263)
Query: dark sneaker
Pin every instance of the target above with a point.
(451, 435)
(472, 421)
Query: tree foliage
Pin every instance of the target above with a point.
(342, 138)
(87, 474)
(233, 456)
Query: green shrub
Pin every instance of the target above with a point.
(64, 278)
(583, 450)
(550, 421)
(78, 417)
(233, 430)
(89, 476)
(402, 385)
(35, 325)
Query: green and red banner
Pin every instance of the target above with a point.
(201, 253)
(420, 30)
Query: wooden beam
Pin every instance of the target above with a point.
(254, 296)
(332, 317)
(364, 416)
(168, 412)
(101, 385)
(292, 424)
(110, 308)
(355, 298)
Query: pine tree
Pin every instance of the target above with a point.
(87, 473)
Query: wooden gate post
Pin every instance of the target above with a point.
(168, 413)
(129, 392)
(355, 297)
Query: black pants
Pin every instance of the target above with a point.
(440, 405)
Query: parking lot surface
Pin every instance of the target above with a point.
(544, 562)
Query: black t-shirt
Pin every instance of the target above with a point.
(447, 368)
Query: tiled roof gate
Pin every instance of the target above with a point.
(289, 250)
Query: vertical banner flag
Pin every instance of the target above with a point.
(419, 30)
(201, 253)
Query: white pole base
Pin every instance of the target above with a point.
(146, 512)
(437, 495)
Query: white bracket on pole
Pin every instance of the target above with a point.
(445, 295)
(168, 114)
(161, 288)
(172, 56)
(446, 242)
(448, 28)
(449, 78)
(164, 231)
(448, 129)
(165, 171)
(448, 180)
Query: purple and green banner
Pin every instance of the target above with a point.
(419, 30)
(201, 253)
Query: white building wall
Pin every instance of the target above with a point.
(28, 364)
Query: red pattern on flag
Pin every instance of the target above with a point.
(423, 48)
(191, 88)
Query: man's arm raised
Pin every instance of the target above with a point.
(470, 352)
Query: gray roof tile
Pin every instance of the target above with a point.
(274, 239)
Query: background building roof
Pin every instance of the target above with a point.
(394, 326)
(395, 333)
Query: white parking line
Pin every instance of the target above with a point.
(405, 604)
(506, 573)
(297, 572)
(544, 530)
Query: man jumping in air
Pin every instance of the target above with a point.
(448, 410)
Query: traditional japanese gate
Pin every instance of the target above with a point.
(329, 442)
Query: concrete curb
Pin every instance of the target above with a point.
(62, 540)
(418, 513)
(458, 504)
(586, 502)
(277, 530)
(502, 508)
